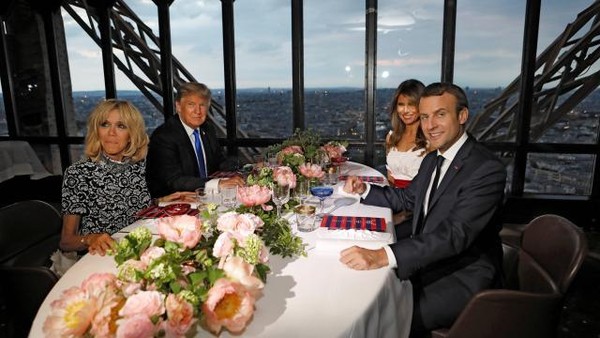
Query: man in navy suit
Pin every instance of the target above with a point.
(454, 250)
(184, 151)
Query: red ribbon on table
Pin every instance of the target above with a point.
(354, 222)
(154, 211)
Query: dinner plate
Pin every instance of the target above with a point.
(177, 209)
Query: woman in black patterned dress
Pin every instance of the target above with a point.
(102, 192)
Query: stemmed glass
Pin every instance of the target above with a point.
(321, 192)
(281, 195)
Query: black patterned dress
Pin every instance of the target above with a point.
(106, 194)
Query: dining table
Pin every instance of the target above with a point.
(307, 296)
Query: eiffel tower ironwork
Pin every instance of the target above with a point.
(566, 72)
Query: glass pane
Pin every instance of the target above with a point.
(31, 76)
(87, 77)
(3, 123)
(264, 68)
(565, 174)
(409, 38)
(334, 67)
(489, 40)
(560, 116)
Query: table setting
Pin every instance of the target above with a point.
(263, 264)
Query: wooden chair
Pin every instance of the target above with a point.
(552, 251)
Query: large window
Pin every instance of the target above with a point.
(263, 50)
(334, 68)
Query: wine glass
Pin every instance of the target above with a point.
(321, 192)
(280, 196)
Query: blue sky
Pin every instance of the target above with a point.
(488, 46)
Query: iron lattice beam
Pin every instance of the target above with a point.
(563, 79)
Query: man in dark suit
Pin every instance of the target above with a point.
(184, 151)
(454, 250)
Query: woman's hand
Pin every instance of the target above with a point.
(98, 244)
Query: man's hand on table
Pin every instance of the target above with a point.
(358, 258)
(354, 185)
(235, 181)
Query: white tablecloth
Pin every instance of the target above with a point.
(314, 296)
(19, 158)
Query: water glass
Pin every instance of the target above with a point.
(332, 173)
(229, 196)
(301, 191)
(305, 217)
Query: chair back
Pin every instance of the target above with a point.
(24, 290)
(552, 251)
(29, 233)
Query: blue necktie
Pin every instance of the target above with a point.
(199, 154)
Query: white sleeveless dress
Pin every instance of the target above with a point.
(404, 165)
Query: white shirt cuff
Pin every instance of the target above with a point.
(392, 263)
(366, 192)
(212, 185)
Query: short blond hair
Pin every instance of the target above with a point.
(132, 118)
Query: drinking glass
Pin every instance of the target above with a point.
(229, 196)
(301, 191)
(305, 217)
(281, 195)
(321, 192)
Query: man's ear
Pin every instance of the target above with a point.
(463, 115)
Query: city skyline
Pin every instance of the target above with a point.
(488, 43)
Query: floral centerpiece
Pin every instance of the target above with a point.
(201, 272)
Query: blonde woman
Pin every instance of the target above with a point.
(102, 192)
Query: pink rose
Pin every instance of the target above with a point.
(137, 326)
(284, 176)
(151, 254)
(147, 303)
(311, 170)
(184, 229)
(228, 305)
(180, 316)
(96, 284)
(334, 150)
(242, 272)
(244, 224)
(292, 150)
(253, 195)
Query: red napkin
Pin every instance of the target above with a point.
(154, 211)
(372, 179)
(353, 222)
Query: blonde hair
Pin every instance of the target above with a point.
(136, 149)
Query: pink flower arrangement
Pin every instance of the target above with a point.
(310, 170)
(165, 288)
(254, 195)
(334, 149)
(284, 175)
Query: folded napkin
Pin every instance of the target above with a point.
(156, 211)
(334, 241)
(224, 174)
(371, 179)
(353, 222)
